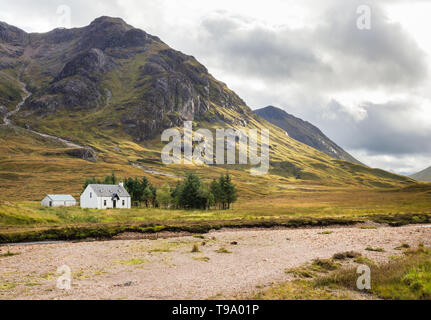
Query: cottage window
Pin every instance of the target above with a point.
(123, 203)
(91, 195)
(104, 203)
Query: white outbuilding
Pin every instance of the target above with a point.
(58, 200)
(105, 196)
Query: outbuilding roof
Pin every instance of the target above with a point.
(60, 197)
(108, 190)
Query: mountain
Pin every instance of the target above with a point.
(304, 132)
(152, 86)
(424, 175)
(87, 101)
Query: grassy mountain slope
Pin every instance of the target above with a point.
(112, 89)
(304, 132)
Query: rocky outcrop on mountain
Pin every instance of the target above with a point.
(87, 153)
(12, 35)
(304, 132)
(107, 32)
(90, 64)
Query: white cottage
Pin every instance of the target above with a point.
(58, 200)
(105, 196)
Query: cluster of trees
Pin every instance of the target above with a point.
(112, 179)
(192, 193)
(141, 191)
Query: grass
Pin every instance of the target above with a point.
(223, 250)
(364, 260)
(28, 226)
(324, 265)
(326, 232)
(195, 249)
(266, 201)
(346, 255)
(9, 254)
(298, 290)
(132, 262)
(32, 284)
(406, 278)
(403, 246)
(162, 249)
(7, 286)
(367, 227)
(375, 249)
(392, 207)
(205, 259)
(301, 272)
(316, 267)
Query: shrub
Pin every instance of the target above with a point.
(324, 265)
(346, 255)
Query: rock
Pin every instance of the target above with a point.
(87, 153)
(89, 64)
(77, 91)
(12, 35)
(3, 110)
(125, 284)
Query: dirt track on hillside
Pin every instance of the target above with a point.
(166, 268)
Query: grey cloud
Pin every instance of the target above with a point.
(333, 55)
(401, 164)
(31, 15)
(260, 52)
(392, 128)
(385, 56)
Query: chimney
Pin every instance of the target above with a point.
(121, 184)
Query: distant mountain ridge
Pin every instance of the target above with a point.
(424, 175)
(304, 132)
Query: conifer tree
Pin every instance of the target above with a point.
(229, 190)
(189, 197)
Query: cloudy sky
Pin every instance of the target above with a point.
(369, 90)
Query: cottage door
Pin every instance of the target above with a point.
(114, 203)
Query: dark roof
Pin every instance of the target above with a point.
(108, 190)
